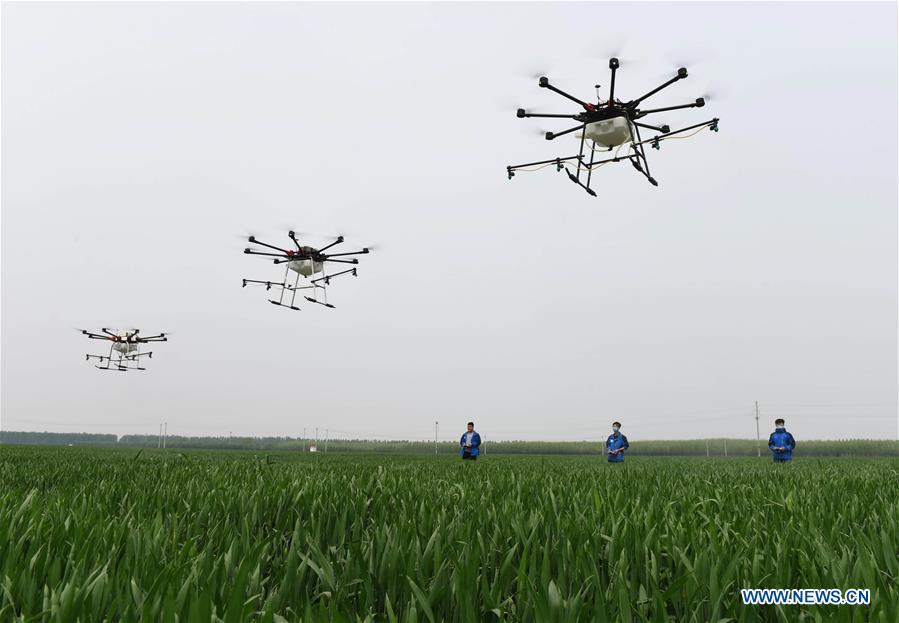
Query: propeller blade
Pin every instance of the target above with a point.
(715, 93)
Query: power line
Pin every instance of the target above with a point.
(758, 437)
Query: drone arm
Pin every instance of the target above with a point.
(153, 338)
(336, 242)
(263, 244)
(522, 115)
(681, 74)
(94, 336)
(651, 127)
(363, 251)
(252, 252)
(550, 135)
(352, 261)
(329, 277)
(699, 103)
(544, 82)
(613, 65)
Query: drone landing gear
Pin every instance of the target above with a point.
(574, 179)
(107, 358)
(273, 302)
(321, 283)
(312, 300)
(640, 154)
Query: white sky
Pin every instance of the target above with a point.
(139, 141)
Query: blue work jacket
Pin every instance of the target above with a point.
(614, 443)
(781, 438)
(475, 442)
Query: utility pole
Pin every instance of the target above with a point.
(316, 438)
(304, 440)
(435, 436)
(159, 438)
(706, 447)
(758, 436)
(326, 440)
(165, 435)
(725, 447)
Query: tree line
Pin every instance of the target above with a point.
(684, 447)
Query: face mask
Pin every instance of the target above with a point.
(615, 428)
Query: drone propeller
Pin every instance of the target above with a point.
(613, 47)
(714, 93)
(693, 59)
(599, 51)
(298, 233)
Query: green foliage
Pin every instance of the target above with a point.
(118, 535)
(681, 447)
(55, 439)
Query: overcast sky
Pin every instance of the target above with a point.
(139, 141)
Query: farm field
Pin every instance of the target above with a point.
(125, 535)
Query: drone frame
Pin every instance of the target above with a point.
(317, 285)
(123, 361)
(609, 109)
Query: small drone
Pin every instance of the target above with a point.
(124, 352)
(306, 261)
(607, 125)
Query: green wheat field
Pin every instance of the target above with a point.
(92, 534)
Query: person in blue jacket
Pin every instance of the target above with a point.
(470, 443)
(616, 444)
(781, 443)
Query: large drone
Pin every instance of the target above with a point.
(607, 125)
(124, 350)
(306, 261)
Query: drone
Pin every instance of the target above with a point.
(124, 351)
(308, 262)
(607, 125)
